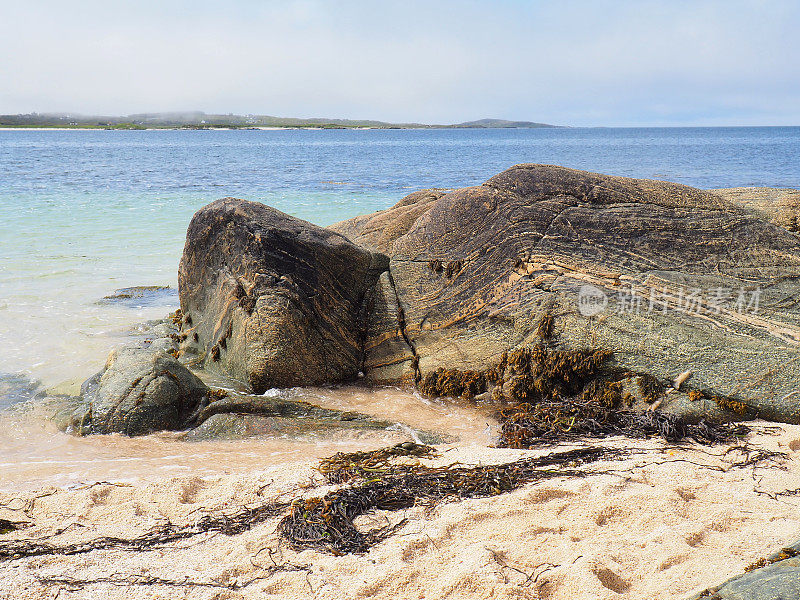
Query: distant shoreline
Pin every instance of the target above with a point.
(271, 128)
(362, 128)
(45, 128)
(201, 120)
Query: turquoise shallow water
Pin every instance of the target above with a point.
(88, 212)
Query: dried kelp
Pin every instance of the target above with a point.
(526, 425)
(346, 466)
(226, 524)
(327, 523)
(7, 526)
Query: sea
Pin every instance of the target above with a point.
(89, 212)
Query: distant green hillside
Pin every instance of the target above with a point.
(502, 123)
(201, 120)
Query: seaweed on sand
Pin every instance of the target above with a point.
(7, 526)
(526, 425)
(327, 523)
(346, 466)
(226, 524)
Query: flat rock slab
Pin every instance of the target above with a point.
(236, 426)
(142, 296)
(239, 415)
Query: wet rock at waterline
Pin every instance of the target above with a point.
(684, 292)
(142, 296)
(271, 300)
(235, 416)
(140, 391)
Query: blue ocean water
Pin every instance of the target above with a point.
(88, 212)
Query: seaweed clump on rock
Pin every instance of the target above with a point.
(526, 425)
(453, 382)
(524, 374)
(554, 395)
(568, 395)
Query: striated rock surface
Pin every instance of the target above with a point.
(670, 278)
(778, 205)
(271, 300)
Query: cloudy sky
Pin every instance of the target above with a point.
(572, 62)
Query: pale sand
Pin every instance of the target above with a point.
(659, 526)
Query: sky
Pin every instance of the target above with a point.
(565, 62)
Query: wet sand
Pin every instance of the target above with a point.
(34, 453)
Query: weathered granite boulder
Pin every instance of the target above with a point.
(670, 278)
(140, 391)
(271, 300)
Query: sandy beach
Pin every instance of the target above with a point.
(664, 522)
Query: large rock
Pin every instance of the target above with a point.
(271, 300)
(669, 278)
(140, 391)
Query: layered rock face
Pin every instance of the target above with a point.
(271, 300)
(669, 278)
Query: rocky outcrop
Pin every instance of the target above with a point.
(692, 294)
(672, 279)
(271, 300)
(140, 391)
